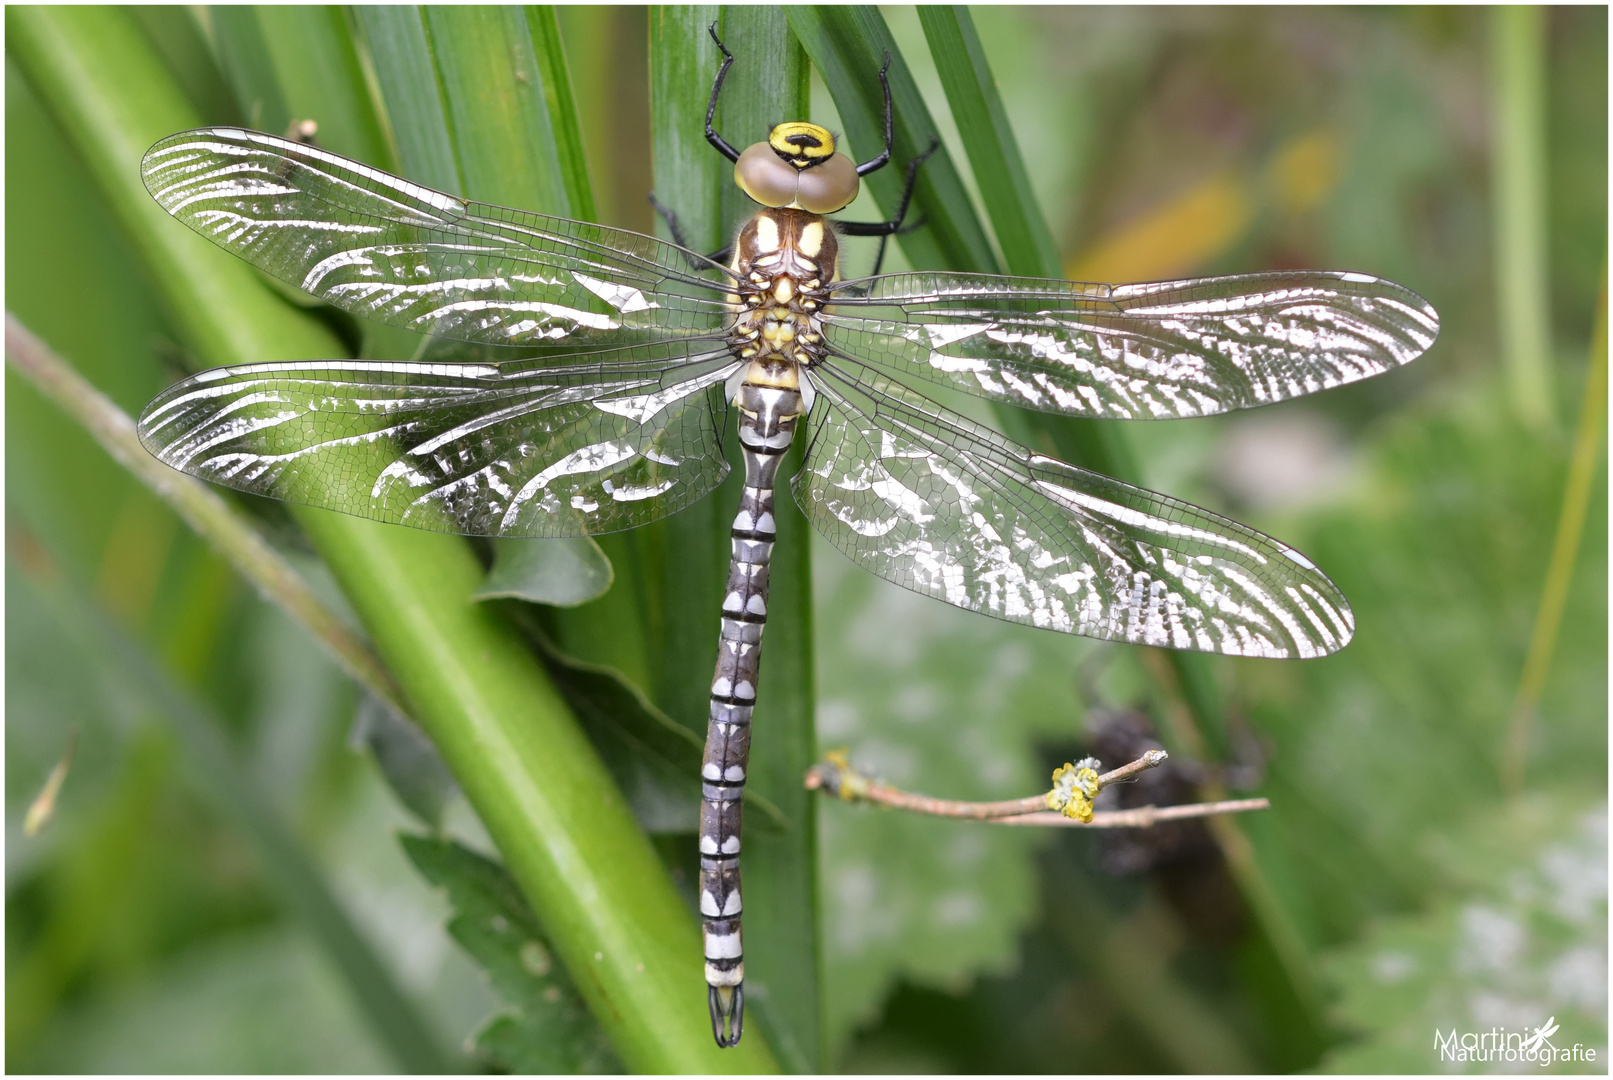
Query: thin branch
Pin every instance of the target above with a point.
(835, 775)
(201, 508)
(1141, 817)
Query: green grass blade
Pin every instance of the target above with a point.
(182, 41)
(607, 48)
(561, 824)
(317, 69)
(847, 46)
(681, 71)
(405, 76)
(557, 91)
(498, 113)
(1005, 187)
(248, 68)
(1523, 293)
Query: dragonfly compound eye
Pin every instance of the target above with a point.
(765, 177)
(772, 181)
(829, 187)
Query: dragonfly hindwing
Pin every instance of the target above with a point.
(507, 449)
(927, 500)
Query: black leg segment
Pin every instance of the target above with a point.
(712, 137)
(886, 229)
(877, 163)
(721, 255)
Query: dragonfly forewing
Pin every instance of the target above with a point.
(385, 249)
(924, 498)
(508, 449)
(1134, 352)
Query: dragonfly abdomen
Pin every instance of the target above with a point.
(768, 417)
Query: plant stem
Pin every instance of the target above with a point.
(1588, 447)
(1518, 43)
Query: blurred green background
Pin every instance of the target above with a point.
(1435, 856)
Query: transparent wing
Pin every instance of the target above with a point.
(383, 248)
(510, 449)
(927, 500)
(1137, 352)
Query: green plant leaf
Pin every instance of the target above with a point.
(548, 1028)
(248, 67)
(316, 67)
(413, 769)
(564, 572)
(177, 34)
(494, 89)
(394, 37)
(938, 700)
(570, 153)
(655, 759)
(1522, 942)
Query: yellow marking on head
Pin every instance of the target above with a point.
(800, 143)
(811, 241)
(766, 239)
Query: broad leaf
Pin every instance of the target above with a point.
(548, 1028)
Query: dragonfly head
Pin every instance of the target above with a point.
(797, 167)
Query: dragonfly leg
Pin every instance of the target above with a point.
(712, 137)
(721, 255)
(874, 164)
(887, 229)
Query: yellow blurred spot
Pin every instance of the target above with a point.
(43, 808)
(1202, 223)
(1304, 170)
(136, 551)
(1172, 239)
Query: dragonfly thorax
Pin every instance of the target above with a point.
(784, 261)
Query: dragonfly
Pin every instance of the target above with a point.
(634, 350)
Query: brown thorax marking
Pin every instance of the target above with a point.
(784, 260)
